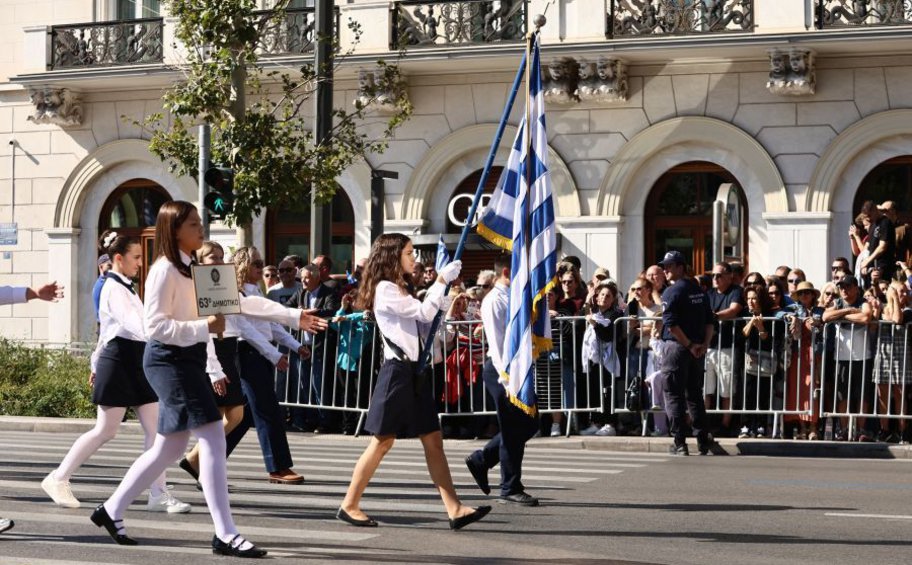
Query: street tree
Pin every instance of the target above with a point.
(268, 141)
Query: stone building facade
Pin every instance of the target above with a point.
(804, 107)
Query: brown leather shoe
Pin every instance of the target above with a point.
(286, 477)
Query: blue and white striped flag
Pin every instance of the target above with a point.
(520, 218)
(443, 258)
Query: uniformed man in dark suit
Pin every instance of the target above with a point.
(687, 332)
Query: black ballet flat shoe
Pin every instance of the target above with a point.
(101, 519)
(221, 548)
(463, 521)
(366, 523)
(186, 466)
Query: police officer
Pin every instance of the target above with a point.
(687, 332)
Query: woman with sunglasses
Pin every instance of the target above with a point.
(645, 325)
(754, 279)
(570, 301)
(805, 354)
(763, 340)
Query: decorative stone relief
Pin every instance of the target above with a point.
(59, 106)
(370, 96)
(559, 84)
(792, 73)
(603, 82)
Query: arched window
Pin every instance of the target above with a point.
(480, 255)
(890, 180)
(131, 210)
(679, 215)
(288, 233)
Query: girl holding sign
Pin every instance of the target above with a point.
(175, 365)
(402, 402)
(118, 380)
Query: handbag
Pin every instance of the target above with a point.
(634, 395)
(762, 363)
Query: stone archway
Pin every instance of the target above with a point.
(72, 241)
(460, 154)
(663, 146)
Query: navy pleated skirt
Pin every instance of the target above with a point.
(396, 407)
(178, 376)
(226, 350)
(119, 376)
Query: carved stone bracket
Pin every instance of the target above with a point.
(371, 96)
(58, 106)
(792, 73)
(569, 81)
(604, 82)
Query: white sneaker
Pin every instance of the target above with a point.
(607, 430)
(590, 431)
(745, 433)
(59, 491)
(555, 430)
(166, 503)
(761, 432)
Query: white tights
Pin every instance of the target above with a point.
(166, 450)
(106, 426)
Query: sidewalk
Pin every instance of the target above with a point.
(762, 447)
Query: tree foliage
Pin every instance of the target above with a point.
(267, 141)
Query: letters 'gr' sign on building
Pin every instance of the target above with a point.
(216, 290)
(458, 208)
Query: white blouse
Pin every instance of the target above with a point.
(170, 312)
(398, 315)
(120, 313)
(267, 330)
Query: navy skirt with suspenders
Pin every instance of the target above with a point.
(178, 376)
(403, 401)
(119, 377)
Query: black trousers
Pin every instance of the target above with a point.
(683, 388)
(509, 445)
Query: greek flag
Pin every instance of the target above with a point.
(443, 257)
(520, 218)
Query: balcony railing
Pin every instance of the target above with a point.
(417, 23)
(292, 34)
(106, 44)
(852, 13)
(639, 18)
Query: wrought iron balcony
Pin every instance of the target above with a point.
(106, 44)
(419, 23)
(845, 13)
(292, 34)
(640, 18)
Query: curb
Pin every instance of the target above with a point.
(627, 444)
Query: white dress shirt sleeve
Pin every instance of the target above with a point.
(161, 296)
(12, 294)
(282, 337)
(265, 309)
(391, 300)
(213, 365)
(116, 302)
(256, 339)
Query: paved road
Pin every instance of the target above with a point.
(598, 507)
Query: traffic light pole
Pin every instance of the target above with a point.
(321, 215)
(201, 174)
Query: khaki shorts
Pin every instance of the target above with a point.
(719, 368)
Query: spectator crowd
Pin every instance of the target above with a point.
(782, 345)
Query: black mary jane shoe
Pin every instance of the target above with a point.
(221, 548)
(366, 523)
(463, 521)
(101, 519)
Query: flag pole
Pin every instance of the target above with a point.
(473, 209)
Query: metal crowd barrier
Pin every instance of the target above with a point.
(803, 370)
(342, 376)
(866, 370)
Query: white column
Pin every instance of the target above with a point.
(800, 239)
(63, 253)
(597, 242)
